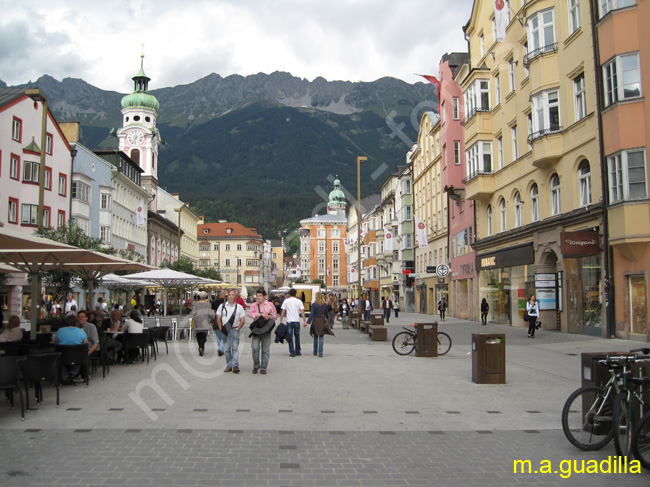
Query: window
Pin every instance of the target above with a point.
(584, 182)
(60, 220)
(515, 151)
(627, 176)
(482, 44)
(13, 210)
(336, 233)
(519, 207)
(227, 278)
(335, 247)
(457, 152)
(574, 15)
(444, 155)
(321, 247)
(215, 263)
(320, 233)
(203, 247)
(455, 107)
(479, 159)
(29, 214)
(406, 186)
(228, 248)
(105, 234)
(14, 166)
(335, 266)
(335, 281)
(607, 6)
(534, 203)
(407, 213)
(500, 152)
(579, 97)
(511, 76)
(227, 263)
(31, 172)
(497, 90)
(321, 265)
(494, 30)
(621, 78)
(502, 214)
(204, 262)
(82, 223)
(556, 207)
(80, 191)
(442, 112)
(48, 179)
(215, 247)
(239, 247)
(239, 262)
(47, 212)
(17, 130)
(252, 262)
(529, 119)
(541, 34)
(546, 113)
(526, 73)
(106, 205)
(477, 98)
(48, 143)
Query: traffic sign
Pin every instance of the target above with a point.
(442, 270)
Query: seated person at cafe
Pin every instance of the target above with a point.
(90, 330)
(13, 332)
(133, 324)
(70, 335)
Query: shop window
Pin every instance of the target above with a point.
(637, 313)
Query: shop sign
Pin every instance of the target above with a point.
(510, 257)
(442, 270)
(431, 269)
(544, 280)
(577, 244)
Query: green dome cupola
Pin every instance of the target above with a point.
(337, 201)
(140, 98)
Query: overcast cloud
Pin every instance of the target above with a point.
(187, 40)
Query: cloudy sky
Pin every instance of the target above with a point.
(185, 40)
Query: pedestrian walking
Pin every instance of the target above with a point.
(442, 308)
(293, 308)
(264, 314)
(367, 309)
(217, 333)
(230, 319)
(345, 314)
(333, 309)
(202, 316)
(485, 307)
(532, 309)
(396, 309)
(388, 306)
(319, 326)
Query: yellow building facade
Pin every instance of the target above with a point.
(533, 163)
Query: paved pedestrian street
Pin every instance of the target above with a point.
(359, 416)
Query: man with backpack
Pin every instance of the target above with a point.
(230, 319)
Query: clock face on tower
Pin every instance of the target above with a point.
(135, 137)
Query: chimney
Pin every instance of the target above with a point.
(70, 131)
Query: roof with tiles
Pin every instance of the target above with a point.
(226, 230)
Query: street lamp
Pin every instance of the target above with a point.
(36, 95)
(179, 211)
(360, 160)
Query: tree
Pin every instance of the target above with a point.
(209, 273)
(183, 264)
(318, 281)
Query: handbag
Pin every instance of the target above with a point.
(227, 326)
(526, 317)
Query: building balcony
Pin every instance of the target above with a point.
(538, 52)
(548, 147)
(479, 186)
(629, 228)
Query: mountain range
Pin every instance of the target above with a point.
(261, 149)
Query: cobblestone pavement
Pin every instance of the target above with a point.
(360, 416)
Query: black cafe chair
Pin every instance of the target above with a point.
(72, 355)
(160, 333)
(136, 341)
(38, 368)
(10, 368)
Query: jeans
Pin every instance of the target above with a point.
(318, 345)
(293, 334)
(67, 372)
(366, 315)
(387, 314)
(484, 318)
(201, 337)
(232, 348)
(219, 335)
(265, 341)
(345, 321)
(396, 312)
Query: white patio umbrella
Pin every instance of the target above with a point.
(244, 292)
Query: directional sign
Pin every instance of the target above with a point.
(442, 270)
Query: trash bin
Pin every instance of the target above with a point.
(489, 358)
(377, 319)
(426, 344)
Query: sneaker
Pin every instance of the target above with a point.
(263, 372)
(255, 371)
(228, 369)
(235, 370)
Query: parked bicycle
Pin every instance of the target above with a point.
(404, 341)
(590, 413)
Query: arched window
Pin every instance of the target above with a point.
(556, 207)
(584, 181)
(489, 220)
(519, 205)
(135, 155)
(534, 203)
(502, 212)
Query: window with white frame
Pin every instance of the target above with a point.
(227, 263)
(29, 214)
(546, 113)
(479, 159)
(574, 15)
(239, 247)
(335, 247)
(31, 171)
(526, 72)
(17, 129)
(556, 206)
(494, 30)
(457, 152)
(239, 262)
(227, 278)
(48, 179)
(14, 165)
(502, 214)
(204, 247)
(455, 108)
(407, 213)
(406, 186)
(228, 248)
(13, 211)
(105, 234)
(511, 76)
(541, 33)
(584, 183)
(320, 233)
(607, 6)
(477, 97)
(80, 191)
(321, 247)
(106, 202)
(497, 89)
(321, 265)
(335, 281)
(515, 149)
(534, 203)
(215, 247)
(519, 208)
(482, 44)
(627, 175)
(336, 233)
(46, 217)
(621, 78)
(579, 97)
(529, 120)
(335, 266)
(48, 144)
(500, 152)
(60, 219)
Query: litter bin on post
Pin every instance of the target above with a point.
(426, 344)
(488, 358)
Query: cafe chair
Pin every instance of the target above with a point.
(10, 368)
(100, 357)
(38, 368)
(136, 341)
(160, 333)
(72, 355)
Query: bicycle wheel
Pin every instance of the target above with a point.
(444, 343)
(622, 424)
(641, 441)
(404, 343)
(587, 418)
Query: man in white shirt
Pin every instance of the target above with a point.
(230, 319)
(69, 304)
(293, 308)
(13, 333)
